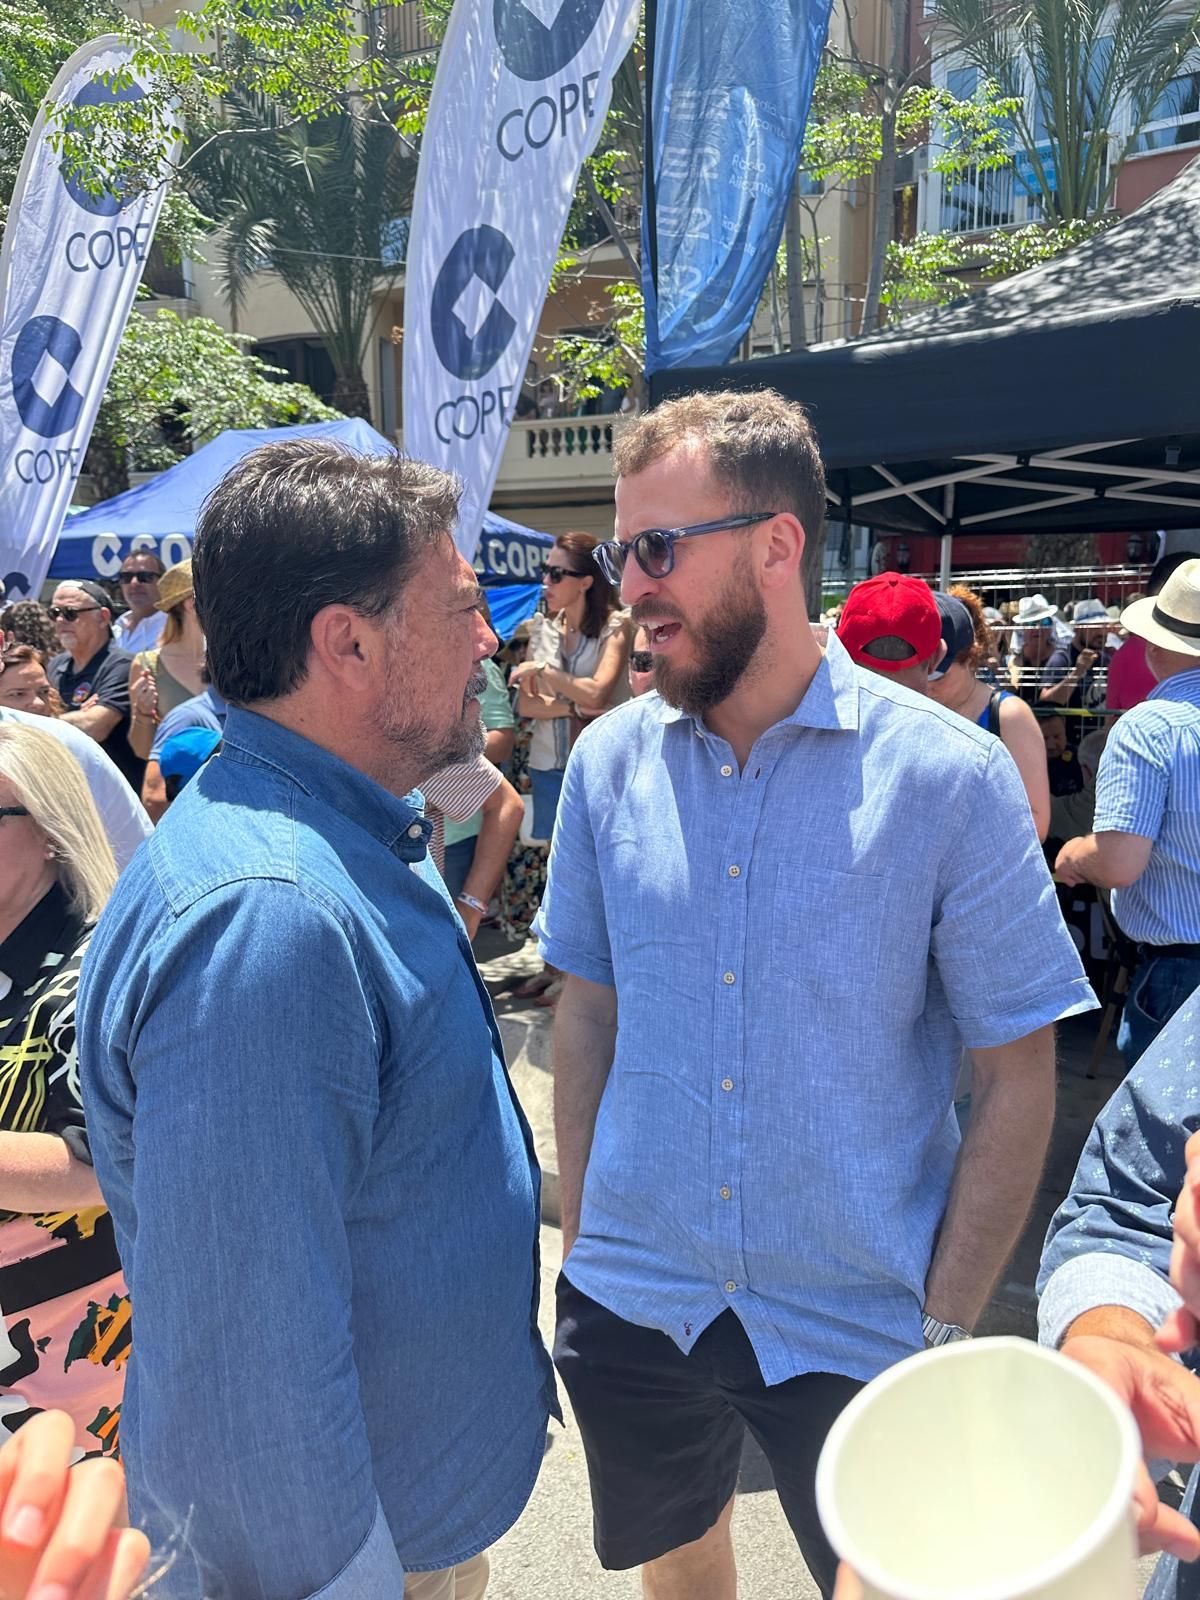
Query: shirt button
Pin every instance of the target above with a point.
(727, 1084)
(727, 772)
(735, 872)
(415, 831)
(726, 1192)
(730, 1286)
(729, 978)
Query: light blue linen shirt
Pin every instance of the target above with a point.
(800, 951)
(1149, 784)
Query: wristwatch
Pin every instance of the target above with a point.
(940, 1333)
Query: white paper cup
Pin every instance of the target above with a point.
(986, 1470)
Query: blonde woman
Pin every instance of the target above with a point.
(163, 678)
(65, 1306)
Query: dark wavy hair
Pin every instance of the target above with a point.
(293, 528)
(29, 623)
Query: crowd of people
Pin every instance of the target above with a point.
(251, 1083)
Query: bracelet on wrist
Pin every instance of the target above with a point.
(475, 905)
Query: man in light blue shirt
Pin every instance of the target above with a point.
(1105, 1282)
(1146, 840)
(787, 892)
(324, 1191)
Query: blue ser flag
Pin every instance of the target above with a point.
(730, 86)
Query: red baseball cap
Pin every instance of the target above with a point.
(891, 605)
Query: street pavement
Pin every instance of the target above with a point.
(549, 1555)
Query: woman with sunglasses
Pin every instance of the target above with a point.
(576, 669)
(64, 1301)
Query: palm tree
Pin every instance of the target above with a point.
(322, 206)
(1086, 59)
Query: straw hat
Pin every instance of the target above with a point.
(1086, 611)
(174, 586)
(1171, 618)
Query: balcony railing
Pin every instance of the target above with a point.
(580, 438)
(569, 454)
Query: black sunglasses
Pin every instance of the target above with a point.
(654, 550)
(641, 661)
(68, 613)
(140, 577)
(14, 811)
(557, 574)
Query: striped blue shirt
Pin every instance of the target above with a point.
(1149, 784)
(800, 950)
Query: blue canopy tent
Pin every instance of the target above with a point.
(161, 516)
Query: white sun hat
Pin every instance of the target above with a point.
(1171, 618)
(1033, 608)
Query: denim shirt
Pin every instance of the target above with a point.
(1109, 1243)
(324, 1191)
(800, 950)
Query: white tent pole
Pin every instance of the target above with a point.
(947, 541)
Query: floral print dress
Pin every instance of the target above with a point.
(63, 1299)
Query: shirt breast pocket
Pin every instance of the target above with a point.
(827, 930)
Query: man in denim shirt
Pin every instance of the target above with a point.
(325, 1194)
(1106, 1285)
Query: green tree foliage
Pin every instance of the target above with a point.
(179, 381)
(319, 204)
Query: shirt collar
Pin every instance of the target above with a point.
(51, 927)
(830, 701)
(1179, 686)
(397, 822)
(88, 667)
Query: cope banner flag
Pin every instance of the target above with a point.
(729, 93)
(519, 100)
(69, 272)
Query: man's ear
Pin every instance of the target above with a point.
(784, 549)
(344, 643)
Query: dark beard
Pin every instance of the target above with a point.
(727, 639)
(431, 751)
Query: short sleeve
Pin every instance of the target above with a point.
(571, 927)
(177, 720)
(495, 707)
(1134, 777)
(999, 942)
(1058, 664)
(459, 791)
(111, 686)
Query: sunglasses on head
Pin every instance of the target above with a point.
(140, 577)
(557, 574)
(68, 613)
(641, 661)
(654, 550)
(14, 811)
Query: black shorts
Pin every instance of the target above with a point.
(663, 1431)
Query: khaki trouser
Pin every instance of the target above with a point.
(467, 1581)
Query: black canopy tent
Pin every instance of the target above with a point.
(1064, 399)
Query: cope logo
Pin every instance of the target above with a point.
(42, 341)
(98, 93)
(531, 49)
(487, 254)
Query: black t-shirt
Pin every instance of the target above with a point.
(106, 676)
